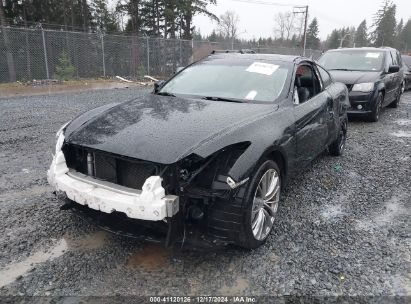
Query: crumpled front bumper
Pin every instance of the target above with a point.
(149, 204)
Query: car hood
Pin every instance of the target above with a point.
(353, 77)
(161, 129)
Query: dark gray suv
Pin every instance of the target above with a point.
(373, 77)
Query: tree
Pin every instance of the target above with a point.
(398, 31)
(9, 54)
(361, 35)
(102, 18)
(64, 68)
(228, 25)
(285, 25)
(132, 8)
(187, 9)
(152, 16)
(385, 25)
(405, 37)
(313, 41)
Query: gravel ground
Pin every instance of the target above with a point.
(343, 227)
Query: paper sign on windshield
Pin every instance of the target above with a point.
(262, 68)
(251, 95)
(372, 55)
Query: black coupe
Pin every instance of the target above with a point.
(208, 151)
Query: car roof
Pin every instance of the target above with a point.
(266, 57)
(371, 49)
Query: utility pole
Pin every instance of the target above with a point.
(303, 10)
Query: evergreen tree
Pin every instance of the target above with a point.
(361, 35)
(385, 25)
(398, 32)
(313, 41)
(152, 17)
(187, 9)
(404, 41)
(102, 18)
(333, 40)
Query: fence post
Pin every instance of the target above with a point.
(181, 55)
(45, 53)
(148, 55)
(102, 50)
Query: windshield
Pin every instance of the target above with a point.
(353, 60)
(241, 80)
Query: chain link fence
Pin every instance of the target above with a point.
(28, 54)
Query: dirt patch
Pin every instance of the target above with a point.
(14, 89)
(239, 286)
(149, 258)
(29, 192)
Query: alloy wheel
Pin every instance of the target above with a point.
(265, 204)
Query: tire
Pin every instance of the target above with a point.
(337, 147)
(374, 116)
(252, 238)
(396, 102)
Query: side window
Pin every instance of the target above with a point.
(325, 76)
(307, 83)
(388, 60)
(394, 58)
(399, 58)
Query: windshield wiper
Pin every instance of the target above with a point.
(340, 70)
(221, 99)
(166, 94)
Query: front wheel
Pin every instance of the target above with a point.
(262, 199)
(374, 116)
(396, 102)
(337, 147)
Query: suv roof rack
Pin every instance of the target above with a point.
(244, 51)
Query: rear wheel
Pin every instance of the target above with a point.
(374, 116)
(337, 147)
(261, 204)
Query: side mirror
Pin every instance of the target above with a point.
(179, 69)
(393, 69)
(158, 85)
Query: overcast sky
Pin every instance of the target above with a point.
(258, 20)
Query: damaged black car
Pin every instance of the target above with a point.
(208, 153)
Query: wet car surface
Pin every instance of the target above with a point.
(201, 155)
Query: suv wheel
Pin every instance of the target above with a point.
(396, 102)
(374, 116)
(261, 205)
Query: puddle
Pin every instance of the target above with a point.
(238, 287)
(12, 271)
(401, 134)
(88, 242)
(149, 258)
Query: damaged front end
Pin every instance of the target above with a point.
(176, 201)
